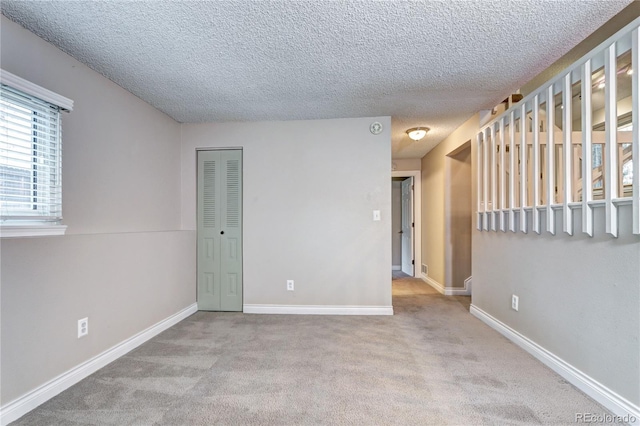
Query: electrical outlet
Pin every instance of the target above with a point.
(289, 285)
(83, 327)
(514, 302)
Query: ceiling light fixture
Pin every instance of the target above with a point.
(417, 133)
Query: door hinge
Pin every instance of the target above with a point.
(413, 224)
(412, 187)
(413, 262)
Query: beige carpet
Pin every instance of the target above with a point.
(430, 364)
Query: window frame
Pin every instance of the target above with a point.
(34, 227)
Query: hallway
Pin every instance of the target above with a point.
(405, 285)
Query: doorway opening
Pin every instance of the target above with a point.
(406, 241)
(458, 218)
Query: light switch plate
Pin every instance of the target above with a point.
(376, 215)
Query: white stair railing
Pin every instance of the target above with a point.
(538, 156)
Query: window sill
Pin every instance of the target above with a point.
(22, 231)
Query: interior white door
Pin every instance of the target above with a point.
(407, 226)
(219, 269)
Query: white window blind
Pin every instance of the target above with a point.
(30, 155)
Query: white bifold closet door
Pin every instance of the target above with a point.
(219, 230)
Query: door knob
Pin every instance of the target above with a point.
(221, 232)
(400, 232)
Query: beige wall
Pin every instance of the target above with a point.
(310, 189)
(433, 198)
(123, 282)
(406, 164)
(124, 263)
(579, 296)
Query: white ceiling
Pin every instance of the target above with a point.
(429, 63)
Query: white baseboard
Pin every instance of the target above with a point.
(459, 291)
(318, 310)
(433, 283)
(467, 285)
(22, 405)
(618, 405)
(448, 291)
(456, 291)
(396, 267)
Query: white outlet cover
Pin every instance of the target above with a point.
(514, 302)
(290, 285)
(83, 327)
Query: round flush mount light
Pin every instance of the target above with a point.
(376, 128)
(417, 133)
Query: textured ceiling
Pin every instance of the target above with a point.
(430, 63)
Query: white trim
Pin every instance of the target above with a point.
(468, 284)
(635, 118)
(32, 89)
(600, 393)
(610, 150)
(318, 310)
(22, 405)
(417, 215)
(456, 291)
(16, 231)
(396, 267)
(449, 291)
(433, 283)
(459, 291)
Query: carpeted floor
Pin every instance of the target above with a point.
(432, 363)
